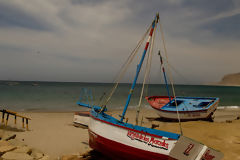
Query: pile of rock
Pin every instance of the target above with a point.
(89, 155)
(14, 149)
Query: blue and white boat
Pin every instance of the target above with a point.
(188, 108)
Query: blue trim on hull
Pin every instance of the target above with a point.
(105, 117)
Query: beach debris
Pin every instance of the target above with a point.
(154, 126)
(16, 142)
(45, 157)
(15, 114)
(36, 154)
(16, 156)
(89, 155)
(8, 136)
(14, 149)
(4, 143)
(7, 148)
(23, 149)
(70, 157)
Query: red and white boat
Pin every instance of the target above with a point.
(120, 140)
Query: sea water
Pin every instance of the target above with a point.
(62, 96)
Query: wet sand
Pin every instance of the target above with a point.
(55, 135)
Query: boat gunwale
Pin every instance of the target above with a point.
(147, 131)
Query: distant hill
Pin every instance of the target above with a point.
(231, 80)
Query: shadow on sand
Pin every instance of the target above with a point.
(9, 128)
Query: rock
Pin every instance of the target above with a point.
(231, 79)
(69, 157)
(228, 121)
(36, 154)
(154, 126)
(23, 149)
(45, 158)
(8, 136)
(225, 118)
(16, 142)
(86, 154)
(8, 148)
(1, 133)
(16, 156)
(4, 143)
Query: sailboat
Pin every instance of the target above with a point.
(118, 139)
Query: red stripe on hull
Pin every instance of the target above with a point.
(120, 151)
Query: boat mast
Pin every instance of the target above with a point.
(164, 74)
(139, 67)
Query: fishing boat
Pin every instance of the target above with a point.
(81, 119)
(188, 108)
(118, 139)
(184, 108)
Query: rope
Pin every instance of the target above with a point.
(124, 68)
(170, 76)
(176, 71)
(147, 71)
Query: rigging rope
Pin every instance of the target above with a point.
(176, 71)
(170, 76)
(124, 68)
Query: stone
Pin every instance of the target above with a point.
(23, 149)
(36, 154)
(8, 136)
(16, 156)
(8, 148)
(4, 143)
(154, 126)
(1, 133)
(45, 158)
(70, 157)
(16, 142)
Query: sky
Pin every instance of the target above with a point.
(89, 40)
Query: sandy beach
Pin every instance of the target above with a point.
(55, 135)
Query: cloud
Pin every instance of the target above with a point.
(79, 40)
(35, 15)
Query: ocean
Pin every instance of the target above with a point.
(62, 96)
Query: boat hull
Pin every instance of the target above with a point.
(124, 143)
(81, 119)
(188, 115)
(189, 108)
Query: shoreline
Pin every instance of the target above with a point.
(110, 109)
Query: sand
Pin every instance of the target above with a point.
(54, 134)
